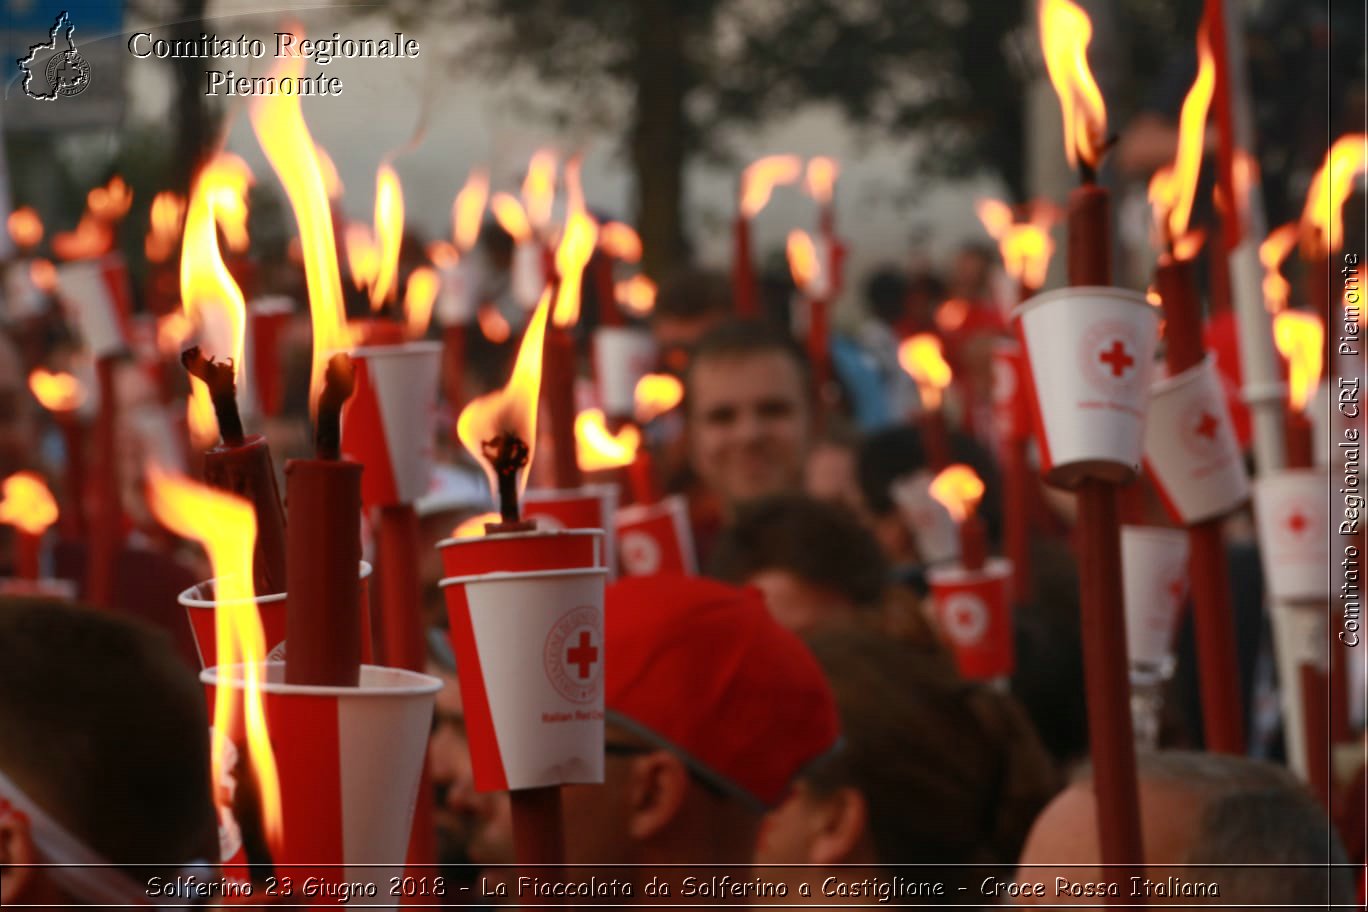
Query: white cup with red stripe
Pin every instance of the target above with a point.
(1011, 391)
(1292, 518)
(522, 552)
(349, 761)
(588, 507)
(656, 538)
(93, 292)
(1090, 354)
(1154, 579)
(529, 656)
(622, 356)
(973, 612)
(389, 422)
(931, 525)
(1190, 447)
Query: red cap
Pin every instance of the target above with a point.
(703, 669)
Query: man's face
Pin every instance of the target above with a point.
(748, 425)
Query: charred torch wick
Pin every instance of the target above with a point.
(218, 376)
(338, 382)
(508, 454)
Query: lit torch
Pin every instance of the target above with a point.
(1300, 339)
(923, 360)
(28, 506)
(1026, 247)
(959, 489)
(25, 228)
(62, 394)
(758, 181)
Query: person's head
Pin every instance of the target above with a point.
(970, 270)
(688, 304)
(932, 769)
(1236, 815)
(886, 295)
(749, 419)
(830, 471)
(814, 561)
(712, 709)
(105, 756)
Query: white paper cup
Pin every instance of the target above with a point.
(528, 279)
(1090, 352)
(656, 538)
(1190, 447)
(389, 422)
(529, 654)
(84, 287)
(622, 356)
(456, 299)
(932, 526)
(1292, 517)
(1154, 578)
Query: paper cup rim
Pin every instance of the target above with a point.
(271, 305)
(504, 536)
(635, 511)
(1116, 293)
(188, 598)
(398, 349)
(995, 568)
(1183, 378)
(585, 490)
(502, 575)
(1165, 534)
(385, 682)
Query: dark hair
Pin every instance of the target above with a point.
(950, 770)
(820, 543)
(107, 731)
(692, 294)
(886, 294)
(741, 338)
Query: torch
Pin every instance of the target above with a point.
(457, 298)
(165, 218)
(617, 243)
(922, 357)
(24, 289)
(820, 182)
(622, 353)
(814, 287)
(27, 505)
(758, 181)
(1090, 349)
(62, 395)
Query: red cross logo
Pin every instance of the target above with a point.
(1296, 522)
(1117, 358)
(1208, 426)
(584, 655)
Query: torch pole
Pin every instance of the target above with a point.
(746, 295)
(104, 545)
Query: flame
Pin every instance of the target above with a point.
(164, 226)
(468, 209)
(951, 315)
(620, 241)
(284, 137)
(90, 238)
(56, 391)
(959, 489)
(512, 409)
(1300, 338)
(493, 325)
(802, 259)
(332, 181)
(389, 234)
(656, 394)
(211, 299)
(173, 330)
(225, 526)
(43, 275)
(363, 255)
(762, 176)
(1322, 221)
(575, 248)
(25, 227)
(636, 295)
(230, 200)
(1153, 298)
(419, 296)
(1176, 211)
(200, 421)
(1245, 174)
(539, 188)
(995, 215)
(1274, 249)
(511, 216)
(597, 449)
(820, 180)
(26, 503)
(1025, 247)
(443, 254)
(474, 527)
(1065, 32)
(921, 357)
(110, 202)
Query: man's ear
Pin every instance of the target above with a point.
(842, 818)
(16, 855)
(656, 791)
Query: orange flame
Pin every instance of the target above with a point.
(90, 238)
(539, 188)
(56, 391)
(959, 489)
(1176, 211)
(363, 255)
(173, 331)
(636, 295)
(389, 233)
(474, 527)
(200, 421)
(43, 275)
(110, 202)
(1322, 221)
(762, 176)
(230, 200)
(620, 241)
(225, 526)
(284, 137)
(802, 259)
(332, 181)
(1065, 32)
(493, 325)
(596, 449)
(656, 394)
(952, 314)
(468, 209)
(419, 296)
(576, 247)
(1274, 249)
(164, 226)
(27, 504)
(211, 299)
(1025, 247)
(1300, 338)
(513, 409)
(820, 180)
(25, 227)
(511, 216)
(922, 358)
(995, 215)
(443, 254)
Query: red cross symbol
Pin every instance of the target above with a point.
(1208, 425)
(583, 654)
(1296, 522)
(1117, 358)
